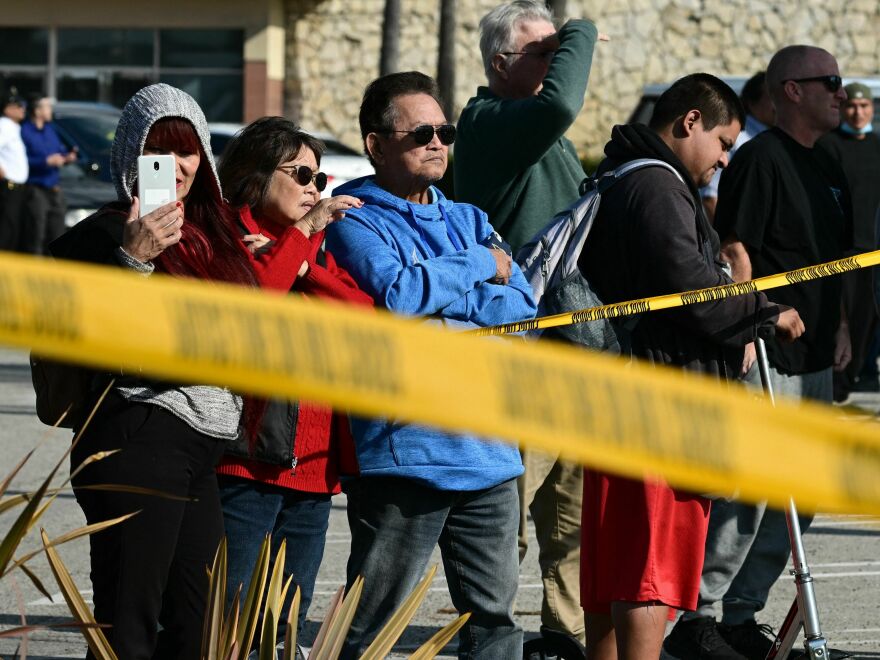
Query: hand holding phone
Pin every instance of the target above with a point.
(157, 183)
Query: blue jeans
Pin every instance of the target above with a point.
(395, 524)
(250, 511)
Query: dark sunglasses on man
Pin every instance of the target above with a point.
(304, 175)
(832, 83)
(425, 133)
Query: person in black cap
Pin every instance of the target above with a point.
(854, 145)
(13, 168)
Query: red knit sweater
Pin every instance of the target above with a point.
(323, 443)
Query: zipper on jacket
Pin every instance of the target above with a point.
(293, 462)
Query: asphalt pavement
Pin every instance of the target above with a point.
(843, 551)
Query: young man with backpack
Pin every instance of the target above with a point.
(642, 544)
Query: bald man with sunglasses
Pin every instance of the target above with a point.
(782, 204)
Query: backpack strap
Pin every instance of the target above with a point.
(608, 179)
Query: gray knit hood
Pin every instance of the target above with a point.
(138, 116)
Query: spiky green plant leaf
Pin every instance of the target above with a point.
(250, 611)
(440, 639)
(274, 601)
(292, 623)
(338, 630)
(332, 611)
(212, 631)
(392, 630)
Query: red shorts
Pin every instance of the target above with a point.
(641, 541)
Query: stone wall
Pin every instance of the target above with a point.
(333, 50)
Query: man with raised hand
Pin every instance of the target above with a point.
(783, 204)
(419, 254)
(512, 160)
(854, 145)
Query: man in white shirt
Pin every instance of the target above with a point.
(13, 169)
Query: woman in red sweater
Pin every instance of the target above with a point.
(281, 481)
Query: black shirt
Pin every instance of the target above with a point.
(860, 160)
(790, 206)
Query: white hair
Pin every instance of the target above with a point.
(496, 27)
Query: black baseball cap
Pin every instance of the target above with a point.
(11, 97)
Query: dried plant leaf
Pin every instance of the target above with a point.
(73, 535)
(342, 621)
(292, 622)
(251, 608)
(16, 533)
(14, 471)
(228, 647)
(274, 600)
(398, 622)
(213, 626)
(95, 638)
(35, 581)
(440, 639)
(332, 610)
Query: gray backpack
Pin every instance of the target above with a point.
(549, 263)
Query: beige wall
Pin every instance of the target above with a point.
(333, 49)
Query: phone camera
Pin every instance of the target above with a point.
(156, 165)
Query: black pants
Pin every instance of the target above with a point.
(858, 294)
(43, 219)
(150, 569)
(12, 200)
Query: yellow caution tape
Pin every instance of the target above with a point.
(625, 418)
(616, 310)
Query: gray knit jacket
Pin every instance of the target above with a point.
(213, 411)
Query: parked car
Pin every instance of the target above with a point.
(90, 128)
(642, 112)
(340, 162)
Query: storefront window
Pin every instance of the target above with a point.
(220, 96)
(78, 46)
(187, 49)
(24, 46)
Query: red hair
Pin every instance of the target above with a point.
(209, 247)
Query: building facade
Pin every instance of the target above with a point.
(311, 59)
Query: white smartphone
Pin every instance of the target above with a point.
(157, 182)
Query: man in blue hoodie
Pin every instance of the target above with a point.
(419, 254)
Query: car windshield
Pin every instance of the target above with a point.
(94, 131)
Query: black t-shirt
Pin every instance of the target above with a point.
(860, 160)
(790, 205)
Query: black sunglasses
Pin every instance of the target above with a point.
(425, 133)
(304, 175)
(832, 83)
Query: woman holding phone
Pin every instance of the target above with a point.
(149, 571)
(281, 483)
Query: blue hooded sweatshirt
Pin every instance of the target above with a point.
(427, 260)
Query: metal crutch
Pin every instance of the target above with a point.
(803, 611)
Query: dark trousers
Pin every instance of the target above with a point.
(857, 298)
(395, 525)
(43, 219)
(150, 569)
(12, 199)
